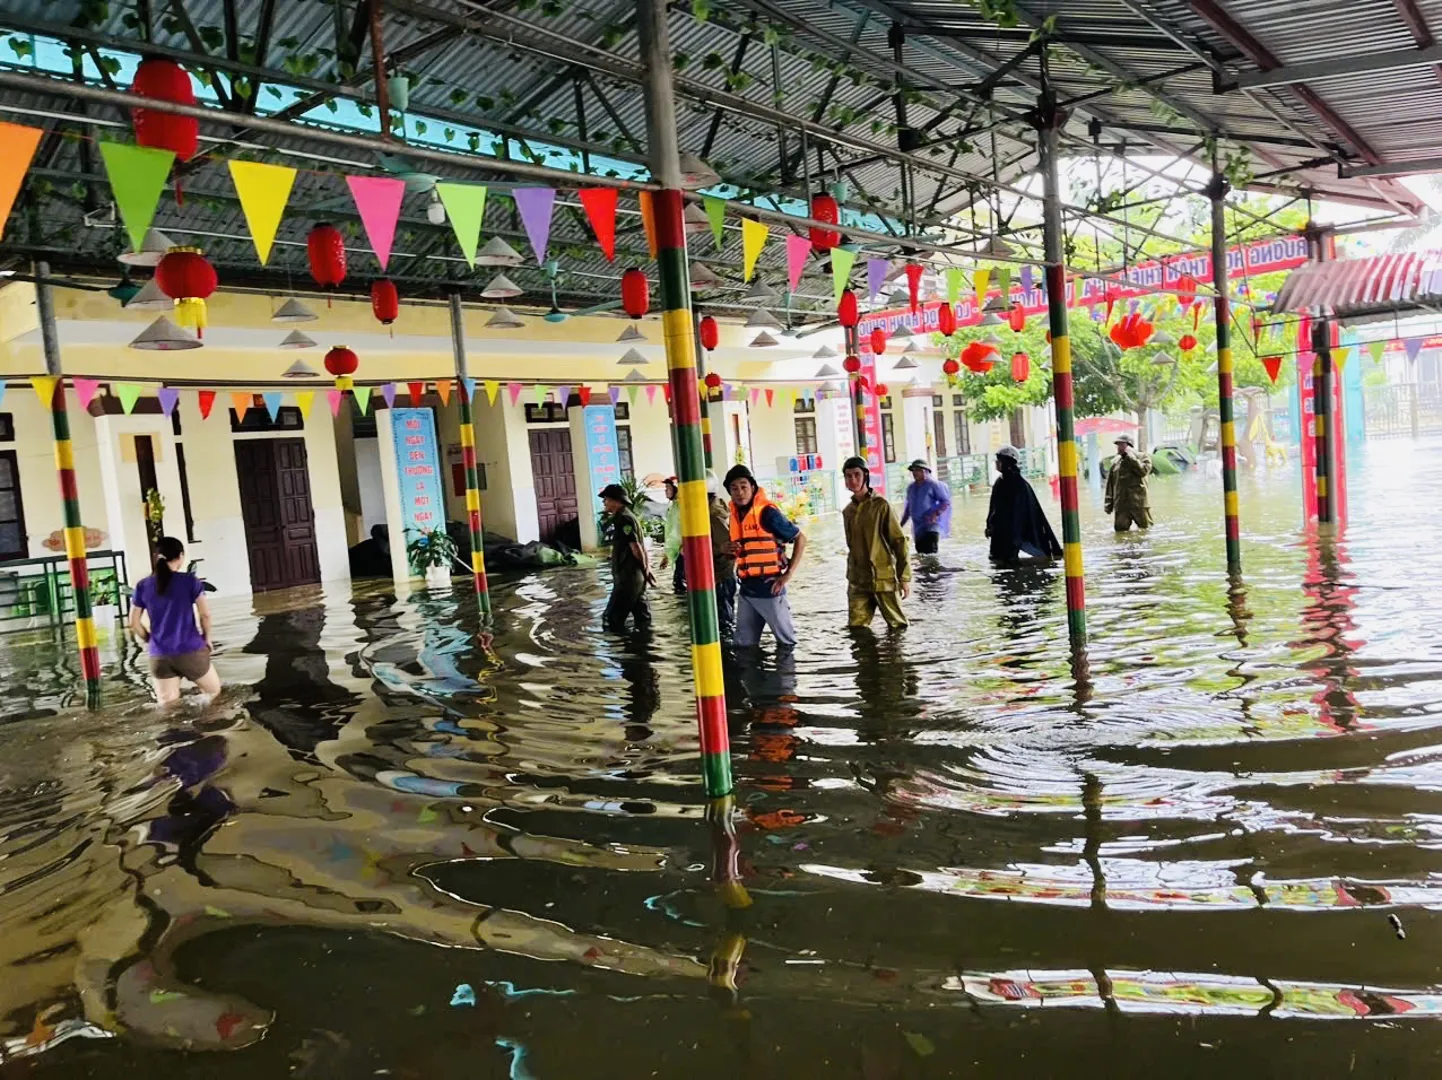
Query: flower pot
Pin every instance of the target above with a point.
(438, 577)
(104, 616)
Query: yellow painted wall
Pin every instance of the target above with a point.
(34, 448)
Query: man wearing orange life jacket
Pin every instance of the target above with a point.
(759, 532)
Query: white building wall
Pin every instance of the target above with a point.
(34, 448)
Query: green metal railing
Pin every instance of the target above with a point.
(32, 590)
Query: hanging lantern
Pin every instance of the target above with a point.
(186, 276)
(852, 364)
(882, 390)
(1020, 366)
(977, 357)
(385, 301)
(946, 319)
(710, 333)
(949, 366)
(325, 248)
(342, 363)
(1186, 290)
(713, 381)
(635, 293)
(913, 283)
(1187, 343)
(847, 312)
(878, 341)
(1016, 318)
(165, 80)
(824, 208)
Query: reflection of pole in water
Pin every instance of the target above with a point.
(1237, 609)
(1328, 620)
(1081, 675)
(1091, 795)
(726, 876)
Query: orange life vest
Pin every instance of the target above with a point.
(758, 553)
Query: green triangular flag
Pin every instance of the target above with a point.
(541, 392)
(955, 278)
(137, 177)
(362, 397)
(1377, 348)
(1001, 275)
(465, 205)
(842, 260)
(716, 214)
(129, 394)
(631, 393)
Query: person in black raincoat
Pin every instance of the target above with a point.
(1015, 523)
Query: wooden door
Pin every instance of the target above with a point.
(555, 477)
(279, 521)
(13, 542)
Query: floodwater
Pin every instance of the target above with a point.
(955, 852)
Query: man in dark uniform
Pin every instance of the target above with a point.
(630, 565)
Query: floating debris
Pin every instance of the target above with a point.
(465, 994)
(1396, 925)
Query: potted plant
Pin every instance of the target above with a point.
(104, 600)
(430, 553)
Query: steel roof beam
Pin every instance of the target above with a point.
(1394, 168)
(1417, 23)
(1357, 64)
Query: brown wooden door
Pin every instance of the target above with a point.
(279, 520)
(555, 477)
(13, 542)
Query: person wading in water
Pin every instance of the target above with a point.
(630, 565)
(876, 563)
(1127, 496)
(163, 613)
(759, 532)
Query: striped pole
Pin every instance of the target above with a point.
(679, 329)
(468, 461)
(1322, 416)
(858, 395)
(1049, 121)
(1218, 192)
(69, 491)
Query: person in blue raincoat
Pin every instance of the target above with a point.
(928, 508)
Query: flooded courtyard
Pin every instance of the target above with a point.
(955, 851)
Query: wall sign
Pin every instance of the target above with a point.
(423, 501)
(602, 453)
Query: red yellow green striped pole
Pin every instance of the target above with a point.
(1049, 122)
(1322, 416)
(51, 388)
(679, 330)
(468, 461)
(1218, 193)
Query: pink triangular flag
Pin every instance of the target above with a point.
(755, 396)
(514, 389)
(651, 393)
(378, 198)
(168, 396)
(334, 397)
(388, 391)
(85, 390)
(875, 276)
(535, 205)
(797, 248)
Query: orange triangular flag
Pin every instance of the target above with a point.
(17, 147)
(241, 404)
(443, 390)
(648, 220)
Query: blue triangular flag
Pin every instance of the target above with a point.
(272, 401)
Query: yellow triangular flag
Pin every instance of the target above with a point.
(1340, 356)
(982, 278)
(44, 388)
(303, 401)
(753, 239)
(492, 389)
(241, 404)
(264, 190)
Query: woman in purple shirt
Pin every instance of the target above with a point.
(170, 599)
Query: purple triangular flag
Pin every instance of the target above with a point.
(535, 205)
(388, 391)
(875, 276)
(1413, 345)
(563, 395)
(615, 392)
(168, 396)
(1026, 278)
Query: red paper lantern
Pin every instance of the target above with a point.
(1016, 318)
(165, 80)
(710, 333)
(186, 276)
(385, 301)
(713, 381)
(852, 364)
(977, 357)
(824, 208)
(882, 390)
(325, 248)
(635, 293)
(913, 282)
(1186, 290)
(342, 362)
(847, 312)
(949, 366)
(1131, 331)
(1048, 337)
(1273, 364)
(1187, 343)
(1020, 366)
(946, 319)
(878, 341)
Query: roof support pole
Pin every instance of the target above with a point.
(468, 461)
(1049, 122)
(679, 329)
(85, 639)
(1222, 307)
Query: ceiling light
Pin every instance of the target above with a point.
(696, 174)
(991, 318)
(703, 277)
(826, 352)
(294, 311)
(760, 290)
(761, 319)
(631, 333)
(906, 363)
(297, 340)
(996, 303)
(826, 371)
(1161, 337)
(634, 377)
(901, 331)
(435, 209)
(152, 249)
(632, 359)
(763, 340)
(498, 253)
(695, 219)
(831, 387)
(164, 336)
(150, 298)
(299, 370)
(504, 319)
(501, 288)
(999, 248)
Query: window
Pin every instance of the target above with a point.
(938, 423)
(550, 412)
(884, 403)
(623, 411)
(958, 400)
(7, 427)
(806, 435)
(623, 451)
(963, 432)
(937, 401)
(257, 418)
(804, 406)
(888, 439)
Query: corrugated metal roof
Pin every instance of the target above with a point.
(1358, 287)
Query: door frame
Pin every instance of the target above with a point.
(24, 552)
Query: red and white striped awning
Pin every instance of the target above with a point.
(1379, 284)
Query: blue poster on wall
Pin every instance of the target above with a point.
(602, 453)
(423, 500)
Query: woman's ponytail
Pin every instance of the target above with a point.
(166, 551)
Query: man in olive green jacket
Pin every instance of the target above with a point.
(876, 564)
(1126, 496)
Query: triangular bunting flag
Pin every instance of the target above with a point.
(755, 396)
(666, 392)
(417, 391)
(3, 388)
(651, 393)
(263, 190)
(1412, 346)
(600, 206)
(631, 393)
(615, 392)
(378, 199)
(129, 394)
(1002, 274)
(980, 280)
(241, 403)
(137, 177)
(954, 277)
(85, 391)
(492, 389)
(584, 393)
(535, 204)
(753, 239)
(541, 392)
(272, 399)
(648, 220)
(468, 384)
(362, 395)
(333, 398)
(207, 402)
(1273, 366)
(17, 147)
(388, 391)
(770, 397)
(443, 390)
(466, 207)
(876, 277)
(514, 390)
(1341, 356)
(716, 215)
(797, 248)
(842, 260)
(169, 398)
(1377, 348)
(563, 395)
(1027, 279)
(44, 388)
(304, 399)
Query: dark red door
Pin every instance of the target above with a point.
(13, 543)
(279, 521)
(555, 476)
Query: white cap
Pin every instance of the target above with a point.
(1009, 452)
(713, 483)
